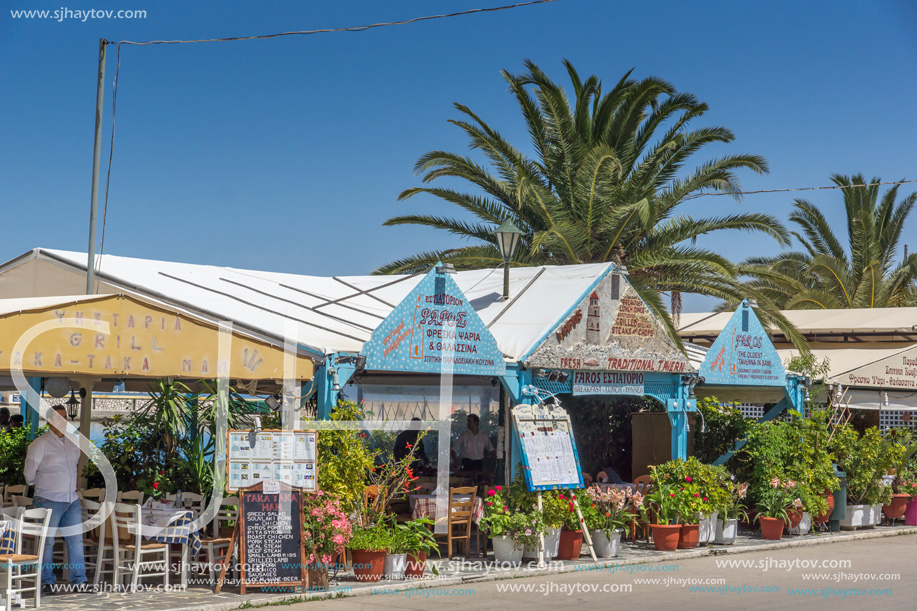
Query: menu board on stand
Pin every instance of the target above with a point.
(271, 537)
(549, 456)
(288, 457)
(547, 447)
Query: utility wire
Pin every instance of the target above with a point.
(823, 188)
(360, 28)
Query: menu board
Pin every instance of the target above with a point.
(282, 456)
(271, 537)
(547, 447)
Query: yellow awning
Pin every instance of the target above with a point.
(121, 336)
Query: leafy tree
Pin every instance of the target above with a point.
(863, 273)
(605, 184)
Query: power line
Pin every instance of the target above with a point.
(360, 28)
(823, 188)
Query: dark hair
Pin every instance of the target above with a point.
(474, 417)
(4, 411)
(17, 418)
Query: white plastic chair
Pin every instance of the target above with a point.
(93, 494)
(131, 550)
(19, 569)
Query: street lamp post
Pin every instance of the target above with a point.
(508, 236)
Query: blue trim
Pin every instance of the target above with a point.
(566, 314)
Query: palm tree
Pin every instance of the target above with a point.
(825, 274)
(604, 185)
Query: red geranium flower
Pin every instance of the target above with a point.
(498, 487)
(489, 503)
(696, 494)
(491, 493)
(672, 494)
(705, 499)
(155, 485)
(687, 479)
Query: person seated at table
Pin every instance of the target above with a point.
(50, 466)
(16, 421)
(4, 419)
(612, 476)
(472, 444)
(410, 440)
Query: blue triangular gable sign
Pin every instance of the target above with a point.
(432, 329)
(743, 354)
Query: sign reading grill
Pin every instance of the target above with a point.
(607, 383)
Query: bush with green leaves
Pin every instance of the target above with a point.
(724, 425)
(866, 458)
(796, 449)
(14, 445)
(702, 485)
(344, 459)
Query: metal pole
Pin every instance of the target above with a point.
(96, 162)
(505, 279)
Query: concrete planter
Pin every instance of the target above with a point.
(862, 516)
(605, 547)
(551, 544)
(726, 532)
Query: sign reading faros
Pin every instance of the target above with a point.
(607, 383)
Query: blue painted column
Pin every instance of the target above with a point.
(29, 404)
(324, 383)
(514, 381)
(678, 410)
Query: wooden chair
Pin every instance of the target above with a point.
(22, 501)
(644, 485)
(131, 550)
(93, 494)
(10, 491)
(216, 545)
(131, 496)
(97, 542)
(21, 569)
(460, 516)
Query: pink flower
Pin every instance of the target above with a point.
(696, 494)
(339, 539)
(491, 493)
(499, 487)
(705, 499)
(326, 558)
(528, 531)
(775, 482)
(687, 479)
(672, 494)
(490, 503)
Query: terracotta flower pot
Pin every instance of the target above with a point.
(416, 565)
(829, 496)
(571, 544)
(689, 535)
(368, 565)
(772, 528)
(895, 510)
(665, 536)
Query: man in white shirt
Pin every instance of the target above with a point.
(472, 444)
(50, 466)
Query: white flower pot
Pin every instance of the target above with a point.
(551, 545)
(861, 515)
(726, 532)
(395, 565)
(605, 547)
(506, 550)
(805, 525)
(707, 530)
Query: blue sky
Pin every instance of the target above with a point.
(288, 154)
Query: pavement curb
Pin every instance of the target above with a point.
(573, 568)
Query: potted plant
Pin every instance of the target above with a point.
(660, 510)
(607, 517)
(368, 548)
(727, 526)
(700, 493)
(552, 514)
(416, 539)
(510, 529)
(772, 509)
(571, 535)
(328, 530)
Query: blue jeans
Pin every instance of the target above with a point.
(63, 514)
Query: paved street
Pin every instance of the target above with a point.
(838, 587)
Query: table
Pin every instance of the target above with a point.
(425, 506)
(176, 528)
(631, 487)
